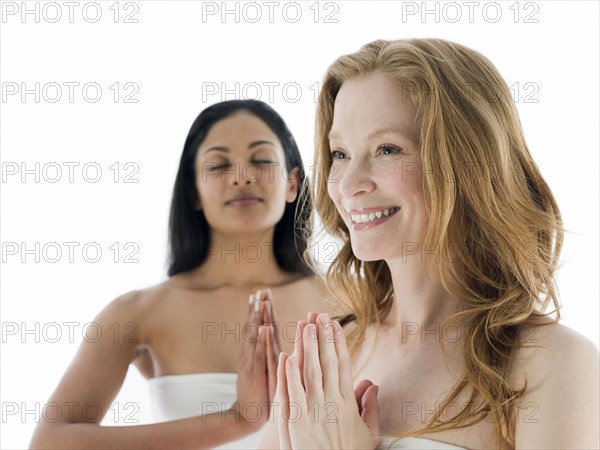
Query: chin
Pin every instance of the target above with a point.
(366, 253)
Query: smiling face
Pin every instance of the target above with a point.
(241, 178)
(375, 178)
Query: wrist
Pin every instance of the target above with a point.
(244, 426)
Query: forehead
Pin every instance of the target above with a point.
(239, 129)
(370, 103)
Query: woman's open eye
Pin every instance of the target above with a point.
(387, 149)
(337, 154)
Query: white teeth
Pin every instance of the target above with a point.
(364, 218)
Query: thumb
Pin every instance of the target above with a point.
(359, 391)
(370, 409)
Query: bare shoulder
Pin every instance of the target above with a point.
(133, 308)
(553, 347)
(560, 405)
(132, 302)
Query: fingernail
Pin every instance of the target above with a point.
(250, 299)
(324, 318)
(260, 330)
(256, 305)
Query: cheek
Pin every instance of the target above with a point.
(335, 173)
(406, 180)
(273, 185)
(334, 192)
(332, 188)
(208, 188)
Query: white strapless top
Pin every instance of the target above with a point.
(415, 444)
(176, 397)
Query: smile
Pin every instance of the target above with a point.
(372, 216)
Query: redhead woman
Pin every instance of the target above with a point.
(451, 238)
(239, 217)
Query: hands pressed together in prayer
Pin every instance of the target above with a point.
(310, 393)
(315, 404)
(257, 370)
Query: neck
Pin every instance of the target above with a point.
(243, 261)
(419, 298)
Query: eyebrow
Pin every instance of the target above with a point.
(376, 133)
(226, 150)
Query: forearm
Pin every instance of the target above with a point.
(209, 430)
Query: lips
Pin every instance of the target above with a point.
(243, 199)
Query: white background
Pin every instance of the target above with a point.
(548, 54)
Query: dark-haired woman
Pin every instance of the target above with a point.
(238, 225)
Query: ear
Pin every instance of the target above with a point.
(293, 183)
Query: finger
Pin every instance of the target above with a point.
(260, 300)
(254, 320)
(249, 335)
(359, 391)
(296, 393)
(260, 353)
(313, 376)
(254, 330)
(267, 296)
(264, 301)
(273, 315)
(250, 303)
(312, 317)
(281, 404)
(271, 364)
(328, 357)
(344, 362)
(275, 323)
(370, 410)
(299, 347)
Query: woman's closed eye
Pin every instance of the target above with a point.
(213, 167)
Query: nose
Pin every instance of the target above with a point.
(236, 183)
(355, 179)
(243, 174)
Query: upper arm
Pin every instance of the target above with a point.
(100, 365)
(559, 408)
